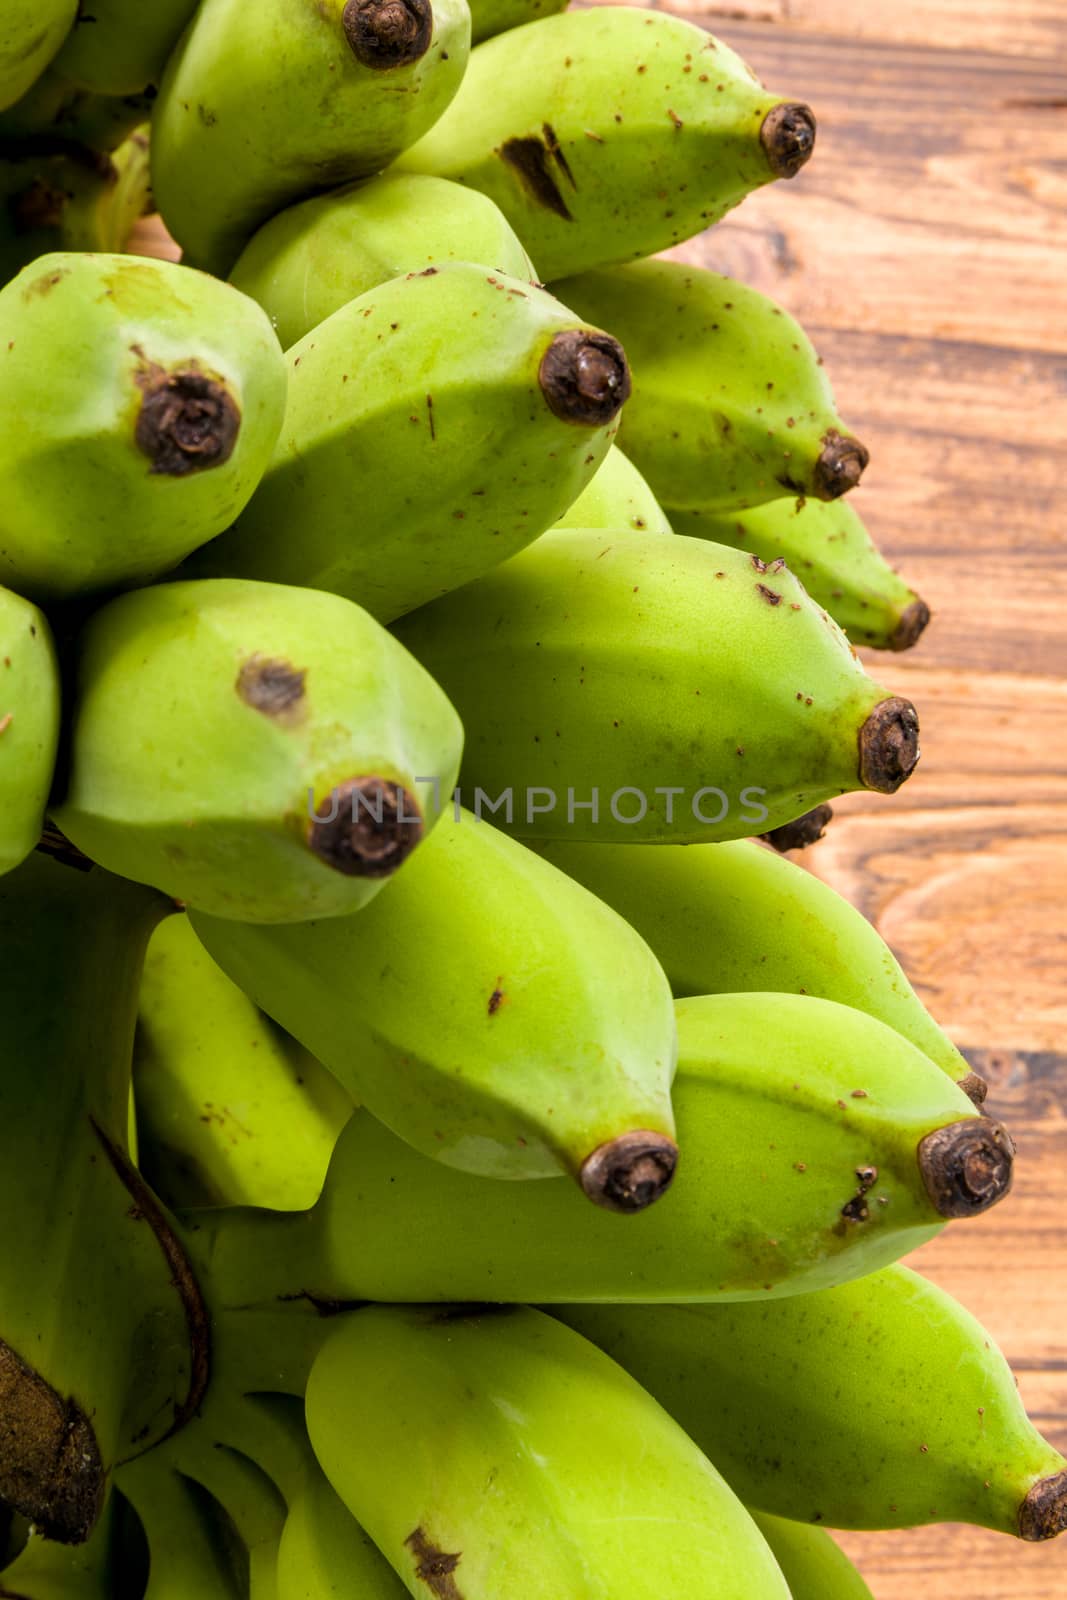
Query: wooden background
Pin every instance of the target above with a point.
(925, 250)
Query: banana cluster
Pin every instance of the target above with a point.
(413, 1182)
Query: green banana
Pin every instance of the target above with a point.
(814, 1567)
(60, 118)
(648, 689)
(194, 1549)
(726, 918)
(610, 134)
(731, 407)
(835, 558)
(101, 1321)
(876, 1404)
(490, 17)
(489, 1010)
(258, 751)
(411, 460)
(228, 1114)
(616, 498)
(29, 725)
(260, 108)
(817, 1145)
(503, 1453)
(31, 31)
(309, 261)
(325, 1553)
(139, 404)
(120, 47)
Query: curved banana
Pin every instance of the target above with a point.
(817, 1146)
(31, 31)
(121, 47)
(616, 498)
(412, 461)
(139, 404)
(324, 1554)
(725, 918)
(835, 558)
(636, 688)
(228, 1113)
(876, 1404)
(29, 725)
(490, 17)
(260, 108)
(262, 752)
(194, 1550)
(813, 1566)
(503, 1453)
(312, 259)
(609, 134)
(731, 406)
(489, 1010)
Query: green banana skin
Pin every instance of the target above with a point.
(324, 1554)
(611, 134)
(594, 1490)
(29, 726)
(312, 259)
(594, 666)
(257, 751)
(140, 402)
(489, 1010)
(95, 1286)
(490, 17)
(123, 46)
(736, 917)
(258, 110)
(58, 117)
(31, 31)
(876, 1404)
(411, 461)
(731, 407)
(616, 498)
(814, 1567)
(193, 1550)
(228, 1114)
(835, 558)
(773, 1195)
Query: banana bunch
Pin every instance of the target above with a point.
(442, 1151)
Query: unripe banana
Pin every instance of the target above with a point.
(813, 1566)
(877, 1404)
(325, 1553)
(487, 1009)
(734, 917)
(309, 261)
(120, 47)
(835, 558)
(817, 1146)
(490, 17)
(610, 134)
(501, 1452)
(29, 726)
(139, 404)
(412, 460)
(262, 106)
(731, 407)
(617, 498)
(31, 31)
(257, 751)
(631, 687)
(60, 118)
(228, 1115)
(194, 1549)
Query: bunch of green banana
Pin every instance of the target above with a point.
(734, 917)
(411, 461)
(309, 261)
(835, 558)
(31, 31)
(616, 499)
(817, 1145)
(261, 107)
(258, 751)
(608, 134)
(102, 1326)
(504, 1454)
(876, 1404)
(489, 1010)
(139, 404)
(29, 725)
(229, 1111)
(649, 689)
(731, 407)
(120, 47)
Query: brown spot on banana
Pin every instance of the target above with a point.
(434, 1567)
(274, 687)
(840, 466)
(51, 1471)
(188, 421)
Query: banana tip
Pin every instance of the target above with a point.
(188, 421)
(912, 625)
(383, 34)
(802, 831)
(585, 377)
(631, 1172)
(1043, 1514)
(975, 1088)
(967, 1166)
(788, 137)
(50, 1466)
(366, 828)
(889, 745)
(840, 466)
